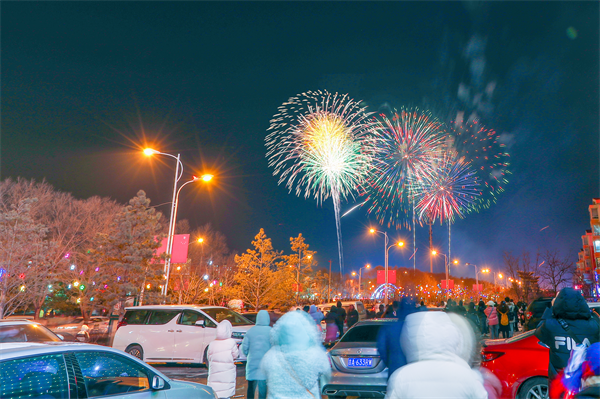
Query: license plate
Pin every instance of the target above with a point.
(360, 362)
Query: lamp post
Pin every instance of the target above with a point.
(434, 252)
(359, 279)
(386, 248)
(476, 274)
(172, 220)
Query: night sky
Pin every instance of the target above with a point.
(86, 85)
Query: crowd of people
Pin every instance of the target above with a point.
(428, 353)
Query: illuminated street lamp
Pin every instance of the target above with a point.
(174, 203)
(386, 248)
(359, 278)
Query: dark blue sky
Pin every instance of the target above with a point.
(83, 83)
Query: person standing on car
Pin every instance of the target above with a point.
(222, 353)
(255, 344)
(567, 324)
(352, 316)
(492, 319)
(296, 359)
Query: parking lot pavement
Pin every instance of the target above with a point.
(200, 374)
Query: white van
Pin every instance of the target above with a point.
(175, 333)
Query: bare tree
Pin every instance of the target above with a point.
(556, 271)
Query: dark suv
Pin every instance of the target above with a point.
(534, 312)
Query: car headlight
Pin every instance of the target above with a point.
(237, 334)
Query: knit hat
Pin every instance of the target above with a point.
(491, 303)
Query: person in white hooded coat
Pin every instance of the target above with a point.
(222, 353)
(434, 348)
(296, 360)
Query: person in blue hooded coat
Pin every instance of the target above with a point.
(296, 360)
(256, 343)
(388, 339)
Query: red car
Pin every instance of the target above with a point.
(520, 363)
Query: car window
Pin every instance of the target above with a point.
(107, 373)
(135, 316)
(38, 376)
(189, 318)
(26, 333)
(220, 314)
(162, 316)
(364, 333)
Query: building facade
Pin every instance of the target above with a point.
(588, 264)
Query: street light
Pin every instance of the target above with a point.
(434, 252)
(386, 248)
(359, 278)
(174, 203)
(476, 274)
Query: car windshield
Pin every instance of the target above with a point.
(364, 333)
(26, 333)
(220, 314)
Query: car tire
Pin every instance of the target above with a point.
(534, 388)
(205, 358)
(136, 351)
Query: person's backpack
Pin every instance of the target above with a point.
(503, 319)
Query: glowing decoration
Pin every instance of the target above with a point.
(571, 33)
(22, 276)
(409, 146)
(22, 288)
(96, 269)
(67, 255)
(91, 299)
(319, 146)
(379, 292)
(72, 267)
(76, 284)
(205, 277)
(82, 287)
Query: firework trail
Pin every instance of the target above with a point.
(449, 192)
(320, 145)
(481, 148)
(409, 145)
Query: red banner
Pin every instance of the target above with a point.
(451, 284)
(381, 277)
(478, 287)
(180, 248)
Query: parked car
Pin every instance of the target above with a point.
(252, 317)
(175, 333)
(534, 312)
(75, 370)
(520, 363)
(15, 330)
(98, 327)
(356, 367)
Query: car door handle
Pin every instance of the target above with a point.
(170, 330)
(178, 330)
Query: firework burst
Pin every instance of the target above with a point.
(482, 148)
(320, 145)
(448, 192)
(408, 146)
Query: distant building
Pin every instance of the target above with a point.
(588, 264)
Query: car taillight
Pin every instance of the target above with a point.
(121, 324)
(487, 356)
(529, 314)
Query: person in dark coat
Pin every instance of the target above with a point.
(381, 312)
(503, 317)
(474, 317)
(571, 308)
(482, 317)
(388, 339)
(352, 316)
(341, 317)
(331, 325)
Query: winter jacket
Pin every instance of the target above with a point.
(492, 315)
(341, 318)
(388, 339)
(296, 359)
(222, 353)
(434, 347)
(256, 343)
(571, 307)
(352, 317)
(316, 314)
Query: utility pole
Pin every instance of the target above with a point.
(430, 223)
(329, 285)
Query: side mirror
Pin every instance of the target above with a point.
(200, 323)
(157, 382)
